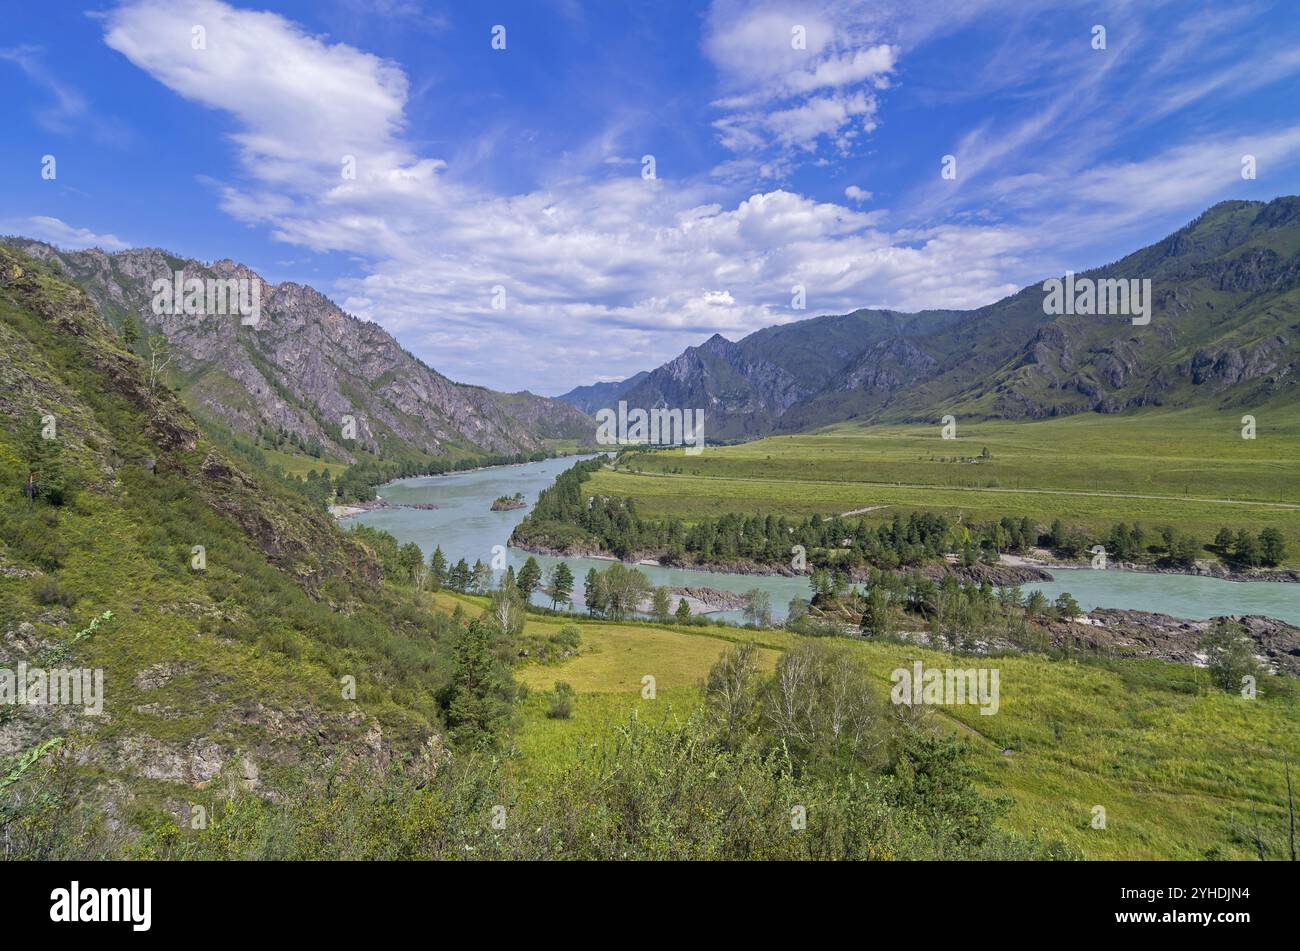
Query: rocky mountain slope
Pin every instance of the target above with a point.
(307, 366)
(1224, 329)
(220, 670)
(591, 398)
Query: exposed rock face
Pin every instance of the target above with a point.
(700, 600)
(1127, 633)
(993, 574)
(888, 366)
(721, 379)
(306, 365)
(1225, 368)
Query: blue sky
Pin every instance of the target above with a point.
(522, 168)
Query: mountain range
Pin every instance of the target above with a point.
(1225, 321)
(306, 366)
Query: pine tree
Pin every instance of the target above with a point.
(530, 576)
(477, 710)
(661, 605)
(459, 577)
(877, 619)
(561, 587)
(683, 611)
(591, 592)
(46, 479)
(437, 569)
(1066, 606)
(130, 331)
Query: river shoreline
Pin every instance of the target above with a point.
(353, 509)
(1009, 570)
(1201, 569)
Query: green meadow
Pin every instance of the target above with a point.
(1182, 770)
(1190, 469)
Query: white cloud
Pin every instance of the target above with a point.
(62, 234)
(253, 65)
(782, 94)
(855, 194)
(613, 272)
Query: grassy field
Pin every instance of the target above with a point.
(1189, 469)
(296, 464)
(1182, 770)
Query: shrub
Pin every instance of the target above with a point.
(568, 638)
(561, 702)
(1230, 655)
(49, 592)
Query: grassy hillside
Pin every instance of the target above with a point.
(1218, 331)
(231, 669)
(1187, 468)
(1182, 770)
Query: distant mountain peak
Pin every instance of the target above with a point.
(1223, 286)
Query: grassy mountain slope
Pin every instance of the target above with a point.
(229, 673)
(1183, 771)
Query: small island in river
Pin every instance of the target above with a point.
(505, 503)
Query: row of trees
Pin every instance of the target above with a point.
(557, 584)
(615, 593)
(1266, 548)
(955, 611)
(1133, 543)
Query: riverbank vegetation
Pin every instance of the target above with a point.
(1160, 746)
(573, 516)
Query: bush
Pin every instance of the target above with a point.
(561, 705)
(1230, 655)
(569, 638)
(49, 592)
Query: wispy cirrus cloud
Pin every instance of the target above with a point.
(65, 110)
(796, 78)
(62, 234)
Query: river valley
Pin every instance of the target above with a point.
(463, 524)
